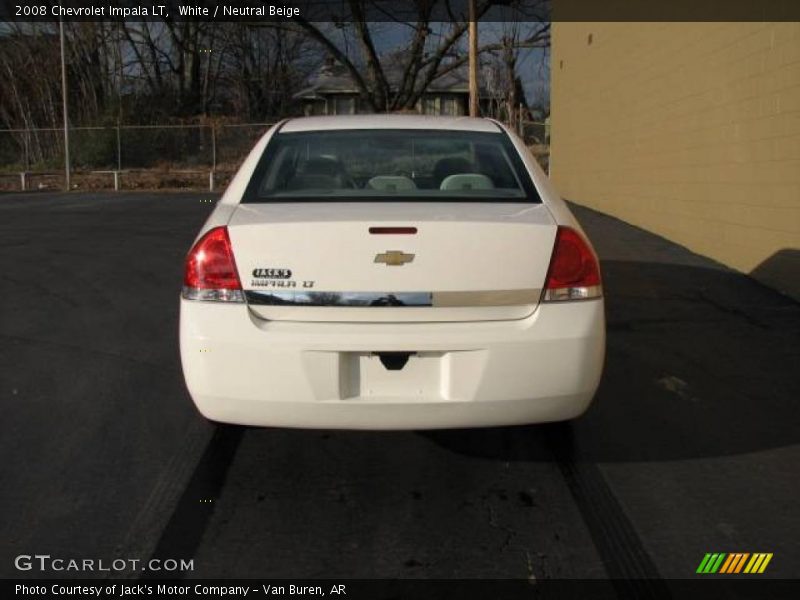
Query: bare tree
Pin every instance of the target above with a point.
(127, 71)
(516, 43)
(429, 51)
(262, 68)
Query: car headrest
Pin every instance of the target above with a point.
(466, 181)
(391, 183)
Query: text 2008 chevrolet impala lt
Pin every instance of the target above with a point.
(391, 272)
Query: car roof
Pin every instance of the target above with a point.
(399, 121)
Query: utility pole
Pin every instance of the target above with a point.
(64, 104)
(473, 60)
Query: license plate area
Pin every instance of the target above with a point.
(366, 375)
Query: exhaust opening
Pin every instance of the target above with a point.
(394, 361)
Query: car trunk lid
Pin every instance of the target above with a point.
(393, 261)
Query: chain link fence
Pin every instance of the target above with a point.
(150, 156)
(127, 156)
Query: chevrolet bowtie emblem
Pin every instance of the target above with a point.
(394, 258)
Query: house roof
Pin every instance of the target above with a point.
(336, 80)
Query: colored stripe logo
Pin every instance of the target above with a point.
(734, 563)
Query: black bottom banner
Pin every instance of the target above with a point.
(360, 589)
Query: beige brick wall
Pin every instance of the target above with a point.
(689, 130)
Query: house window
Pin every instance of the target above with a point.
(449, 106)
(342, 105)
(430, 105)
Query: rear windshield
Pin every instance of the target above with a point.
(353, 165)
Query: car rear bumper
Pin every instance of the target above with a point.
(245, 370)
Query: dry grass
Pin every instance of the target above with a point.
(129, 180)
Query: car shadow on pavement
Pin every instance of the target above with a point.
(700, 362)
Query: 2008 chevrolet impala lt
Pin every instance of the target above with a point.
(391, 272)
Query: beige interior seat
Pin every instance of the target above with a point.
(391, 183)
(466, 181)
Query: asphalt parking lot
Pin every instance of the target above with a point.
(691, 447)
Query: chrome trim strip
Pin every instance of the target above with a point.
(304, 298)
(487, 298)
(412, 299)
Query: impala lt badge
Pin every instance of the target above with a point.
(394, 258)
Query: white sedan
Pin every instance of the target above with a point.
(391, 272)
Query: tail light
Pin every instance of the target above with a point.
(574, 273)
(210, 270)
